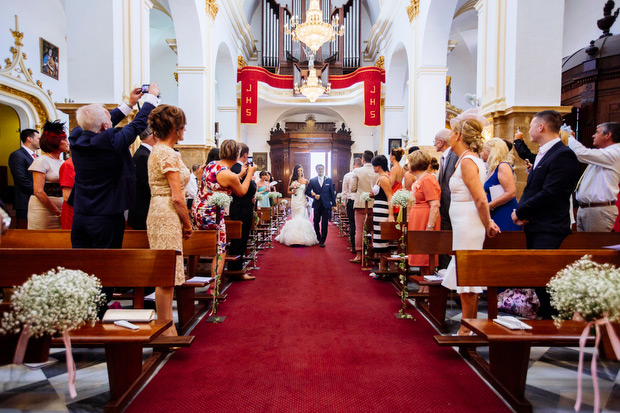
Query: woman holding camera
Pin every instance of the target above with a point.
(218, 177)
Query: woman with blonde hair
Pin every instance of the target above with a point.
(469, 210)
(424, 214)
(500, 185)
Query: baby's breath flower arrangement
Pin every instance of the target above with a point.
(339, 196)
(220, 199)
(260, 197)
(401, 198)
(284, 202)
(274, 195)
(365, 197)
(590, 289)
(57, 301)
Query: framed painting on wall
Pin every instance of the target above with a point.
(260, 160)
(358, 155)
(49, 58)
(394, 143)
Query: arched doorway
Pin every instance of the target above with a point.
(307, 144)
(9, 142)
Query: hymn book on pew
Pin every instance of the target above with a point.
(131, 315)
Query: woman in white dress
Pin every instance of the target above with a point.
(46, 202)
(469, 210)
(298, 230)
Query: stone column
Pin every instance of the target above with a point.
(519, 65)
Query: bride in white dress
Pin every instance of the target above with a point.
(298, 230)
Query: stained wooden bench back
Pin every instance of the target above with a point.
(114, 267)
(520, 268)
(200, 243)
(440, 242)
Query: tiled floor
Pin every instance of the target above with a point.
(551, 380)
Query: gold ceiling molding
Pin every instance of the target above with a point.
(470, 5)
(241, 62)
(413, 10)
(35, 102)
(17, 71)
(380, 62)
(212, 8)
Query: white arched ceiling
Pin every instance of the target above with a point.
(436, 22)
(225, 77)
(462, 61)
(163, 59)
(187, 16)
(396, 77)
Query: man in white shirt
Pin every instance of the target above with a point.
(598, 188)
(362, 182)
(348, 197)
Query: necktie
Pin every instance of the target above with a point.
(320, 180)
(34, 155)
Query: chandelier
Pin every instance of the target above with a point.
(311, 87)
(314, 31)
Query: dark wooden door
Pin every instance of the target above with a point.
(303, 159)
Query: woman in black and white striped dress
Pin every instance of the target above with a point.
(381, 210)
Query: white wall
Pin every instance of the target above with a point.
(580, 27)
(163, 59)
(95, 48)
(37, 19)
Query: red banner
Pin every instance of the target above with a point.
(372, 76)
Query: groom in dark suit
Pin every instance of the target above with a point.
(19, 162)
(322, 190)
(544, 206)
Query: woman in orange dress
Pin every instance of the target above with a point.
(424, 214)
(396, 172)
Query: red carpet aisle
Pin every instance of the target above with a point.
(314, 333)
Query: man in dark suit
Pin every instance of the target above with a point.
(321, 188)
(19, 162)
(104, 171)
(137, 215)
(544, 206)
(446, 169)
(242, 209)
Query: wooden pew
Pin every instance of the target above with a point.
(509, 350)
(115, 268)
(440, 242)
(201, 243)
(432, 243)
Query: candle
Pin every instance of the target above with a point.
(16, 24)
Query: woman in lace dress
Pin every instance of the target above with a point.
(298, 230)
(469, 210)
(167, 223)
(46, 202)
(217, 177)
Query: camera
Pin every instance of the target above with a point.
(145, 88)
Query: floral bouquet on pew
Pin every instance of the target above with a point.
(365, 197)
(54, 302)
(586, 290)
(401, 198)
(220, 199)
(589, 291)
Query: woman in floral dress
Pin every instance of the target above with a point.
(218, 177)
(167, 223)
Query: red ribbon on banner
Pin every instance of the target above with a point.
(372, 76)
